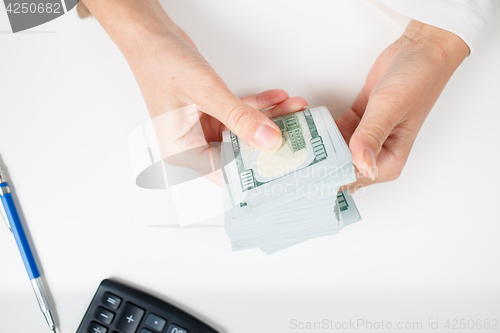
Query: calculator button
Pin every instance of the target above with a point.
(145, 330)
(111, 300)
(155, 322)
(104, 315)
(176, 329)
(130, 318)
(97, 328)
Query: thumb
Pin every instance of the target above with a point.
(249, 124)
(383, 112)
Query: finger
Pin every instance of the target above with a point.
(266, 99)
(360, 182)
(291, 105)
(361, 101)
(242, 119)
(349, 121)
(384, 111)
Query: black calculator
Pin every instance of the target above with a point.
(117, 308)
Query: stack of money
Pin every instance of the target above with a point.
(277, 200)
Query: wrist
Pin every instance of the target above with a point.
(131, 24)
(442, 45)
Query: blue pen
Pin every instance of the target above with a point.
(24, 247)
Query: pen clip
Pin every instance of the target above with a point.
(4, 217)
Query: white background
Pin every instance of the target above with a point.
(427, 247)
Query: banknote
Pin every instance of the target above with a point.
(312, 164)
(302, 147)
(305, 144)
(345, 210)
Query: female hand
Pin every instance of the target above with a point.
(172, 74)
(400, 90)
(185, 136)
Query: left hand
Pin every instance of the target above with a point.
(400, 90)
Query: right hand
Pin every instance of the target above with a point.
(172, 73)
(183, 138)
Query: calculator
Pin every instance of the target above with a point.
(117, 308)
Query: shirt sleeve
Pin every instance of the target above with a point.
(465, 18)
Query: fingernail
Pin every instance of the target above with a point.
(267, 138)
(305, 107)
(370, 163)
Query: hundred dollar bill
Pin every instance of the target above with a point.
(303, 146)
(306, 144)
(347, 208)
(345, 211)
(274, 201)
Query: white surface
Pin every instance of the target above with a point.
(426, 249)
